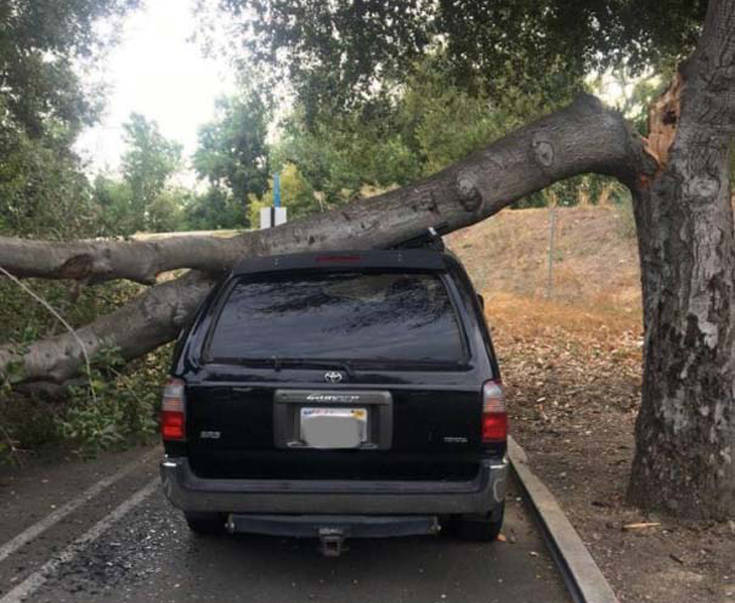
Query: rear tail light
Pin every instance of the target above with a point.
(494, 414)
(173, 411)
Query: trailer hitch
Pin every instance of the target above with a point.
(331, 541)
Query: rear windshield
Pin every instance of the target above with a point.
(339, 316)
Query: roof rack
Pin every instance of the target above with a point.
(431, 238)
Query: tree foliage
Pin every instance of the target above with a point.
(40, 40)
(142, 200)
(149, 161)
(40, 180)
(340, 54)
(214, 209)
(232, 154)
(44, 103)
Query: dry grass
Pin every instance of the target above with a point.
(594, 263)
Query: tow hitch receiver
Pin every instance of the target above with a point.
(332, 530)
(331, 541)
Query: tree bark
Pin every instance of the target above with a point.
(685, 431)
(584, 137)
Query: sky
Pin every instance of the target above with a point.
(155, 71)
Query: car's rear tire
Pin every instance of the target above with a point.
(479, 527)
(205, 523)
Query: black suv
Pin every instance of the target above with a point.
(338, 394)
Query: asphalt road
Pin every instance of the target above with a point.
(138, 548)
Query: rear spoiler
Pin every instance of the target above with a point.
(408, 259)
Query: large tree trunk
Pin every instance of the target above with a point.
(685, 432)
(584, 137)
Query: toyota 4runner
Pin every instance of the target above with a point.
(338, 394)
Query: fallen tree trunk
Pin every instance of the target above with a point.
(584, 137)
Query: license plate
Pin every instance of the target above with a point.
(333, 427)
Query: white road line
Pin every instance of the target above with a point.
(38, 578)
(44, 524)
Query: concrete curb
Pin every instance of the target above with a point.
(583, 578)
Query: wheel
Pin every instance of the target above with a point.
(205, 523)
(479, 527)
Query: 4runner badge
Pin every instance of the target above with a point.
(333, 377)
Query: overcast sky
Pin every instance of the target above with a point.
(156, 72)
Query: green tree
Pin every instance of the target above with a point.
(391, 90)
(40, 180)
(232, 154)
(392, 140)
(43, 106)
(338, 156)
(113, 197)
(39, 43)
(213, 210)
(146, 166)
(142, 199)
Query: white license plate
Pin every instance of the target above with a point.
(333, 427)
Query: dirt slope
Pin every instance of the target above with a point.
(595, 257)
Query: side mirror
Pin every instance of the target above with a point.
(481, 299)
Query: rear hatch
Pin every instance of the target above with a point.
(361, 373)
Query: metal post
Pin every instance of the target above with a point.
(276, 192)
(552, 232)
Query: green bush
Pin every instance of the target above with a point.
(118, 406)
(123, 408)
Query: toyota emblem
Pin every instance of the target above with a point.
(332, 376)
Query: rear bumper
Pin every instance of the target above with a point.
(343, 526)
(351, 497)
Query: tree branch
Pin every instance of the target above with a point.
(139, 326)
